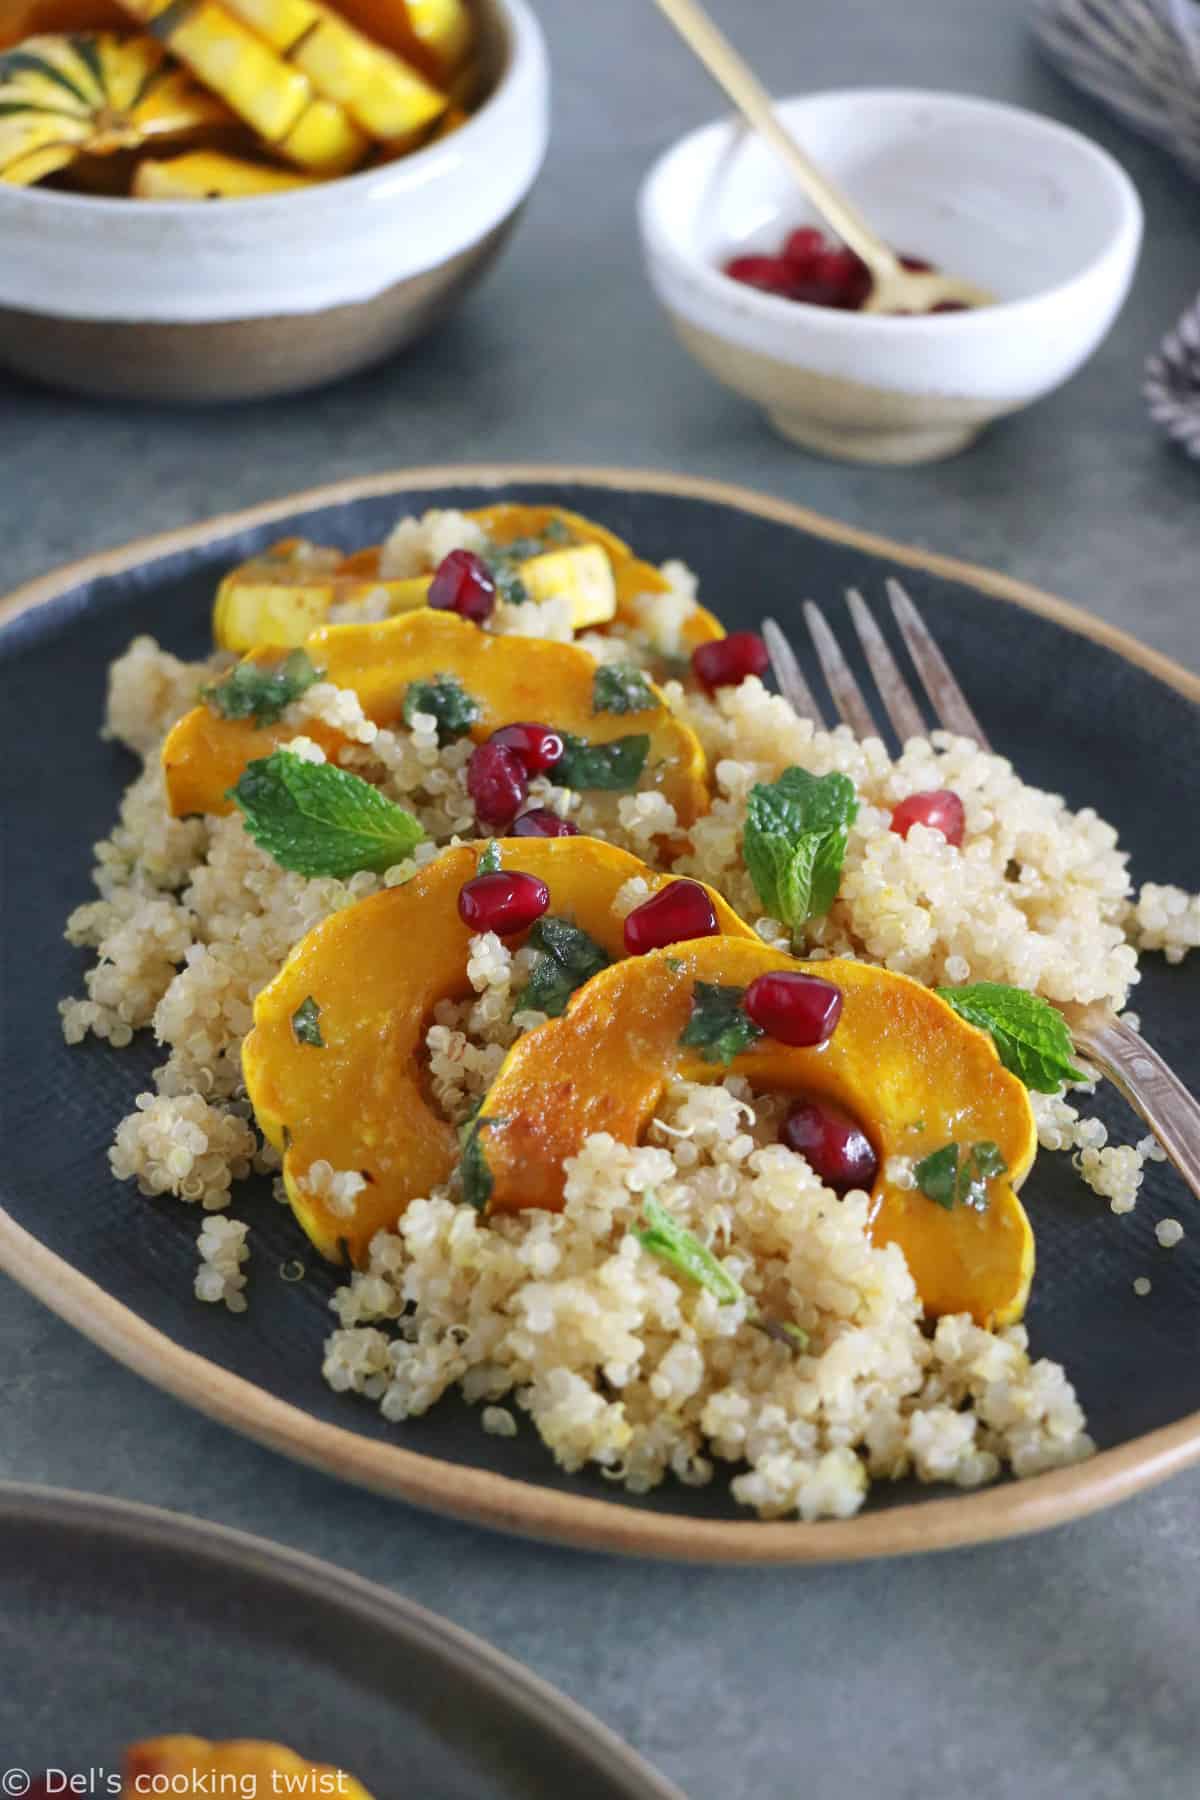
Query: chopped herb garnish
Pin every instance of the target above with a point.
(614, 765)
(557, 531)
(952, 1178)
(674, 964)
(720, 1028)
(260, 691)
(621, 688)
(1030, 1035)
(477, 1180)
(449, 703)
(306, 1023)
(567, 957)
(509, 585)
(663, 1236)
(317, 819)
(489, 859)
(795, 842)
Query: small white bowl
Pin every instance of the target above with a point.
(1030, 210)
(237, 299)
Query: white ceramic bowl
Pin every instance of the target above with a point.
(1030, 210)
(172, 300)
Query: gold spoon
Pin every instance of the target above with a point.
(894, 289)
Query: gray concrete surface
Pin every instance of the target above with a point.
(1060, 1666)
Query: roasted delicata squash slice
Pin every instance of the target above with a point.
(211, 175)
(284, 594)
(275, 98)
(93, 94)
(508, 678)
(243, 1766)
(914, 1074)
(555, 553)
(375, 972)
(436, 35)
(384, 95)
(633, 578)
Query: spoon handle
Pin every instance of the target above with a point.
(754, 103)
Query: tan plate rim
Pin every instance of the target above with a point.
(477, 1495)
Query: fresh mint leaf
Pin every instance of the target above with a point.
(317, 819)
(306, 1023)
(1030, 1035)
(719, 1027)
(477, 1179)
(509, 586)
(262, 691)
(794, 842)
(952, 1177)
(567, 957)
(621, 688)
(615, 765)
(665, 1237)
(449, 703)
(489, 860)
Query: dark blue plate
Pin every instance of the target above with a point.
(121, 1622)
(1080, 710)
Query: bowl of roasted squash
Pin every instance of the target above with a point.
(229, 199)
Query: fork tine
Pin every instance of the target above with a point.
(894, 691)
(786, 670)
(847, 695)
(949, 703)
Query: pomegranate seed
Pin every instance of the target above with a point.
(538, 747)
(681, 910)
(832, 1142)
(724, 662)
(497, 783)
(539, 821)
(464, 584)
(770, 273)
(505, 901)
(939, 808)
(802, 247)
(794, 1008)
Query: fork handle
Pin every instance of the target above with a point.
(1153, 1089)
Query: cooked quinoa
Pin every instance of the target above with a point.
(566, 1318)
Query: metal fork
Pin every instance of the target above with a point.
(1133, 1066)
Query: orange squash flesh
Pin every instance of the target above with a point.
(256, 1767)
(377, 970)
(913, 1073)
(511, 678)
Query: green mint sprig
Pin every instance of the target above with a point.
(567, 957)
(489, 859)
(794, 842)
(317, 819)
(260, 691)
(615, 765)
(719, 1026)
(1030, 1035)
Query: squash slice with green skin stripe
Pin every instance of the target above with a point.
(509, 678)
(93, 94)
(914, 1074)
(376, 970)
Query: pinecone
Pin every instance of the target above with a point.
(1172, 384)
